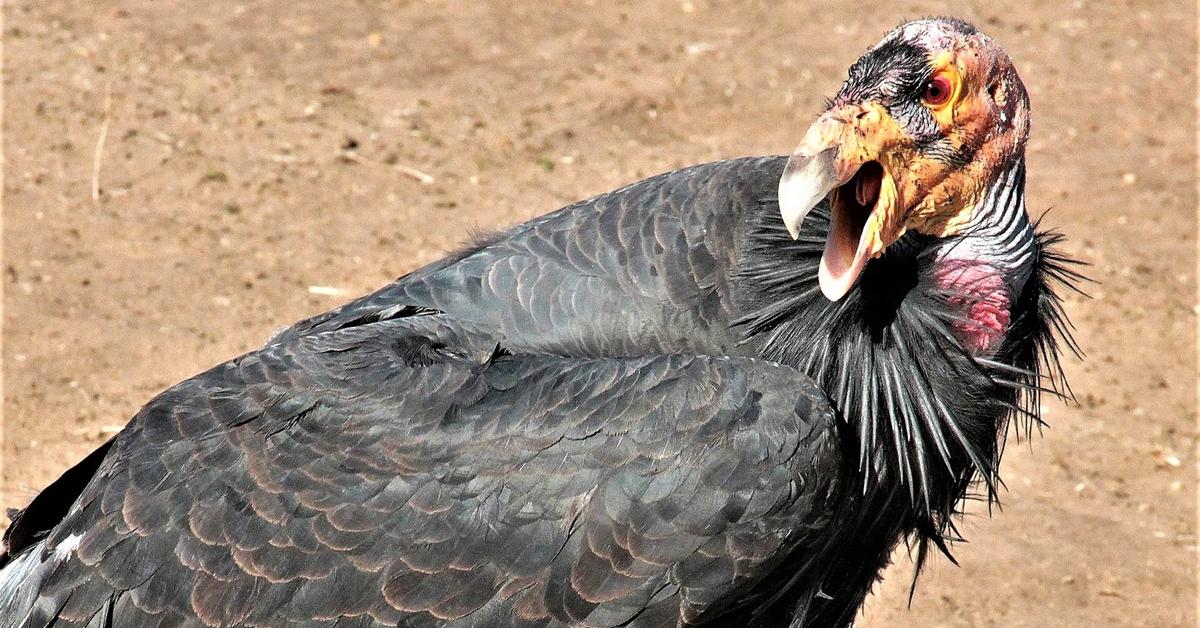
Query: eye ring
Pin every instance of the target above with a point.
(937, 90)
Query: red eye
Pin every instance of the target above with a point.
(937, 91)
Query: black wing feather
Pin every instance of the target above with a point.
(333, 478)
(642, 270)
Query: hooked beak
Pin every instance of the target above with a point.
(849, 154)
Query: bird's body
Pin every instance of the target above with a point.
(638, 410)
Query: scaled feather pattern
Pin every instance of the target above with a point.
(635, 411)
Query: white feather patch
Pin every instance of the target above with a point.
(67, 545)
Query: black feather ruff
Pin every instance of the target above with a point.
(925, 418)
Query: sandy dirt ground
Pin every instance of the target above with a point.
(255, 151)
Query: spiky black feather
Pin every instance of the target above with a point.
(926, 414)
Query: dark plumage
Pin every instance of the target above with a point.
(637, 410)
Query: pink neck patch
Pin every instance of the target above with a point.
(982, 296)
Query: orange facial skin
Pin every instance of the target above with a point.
(972, 118)
(948, 195)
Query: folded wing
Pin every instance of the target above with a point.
(411, 471)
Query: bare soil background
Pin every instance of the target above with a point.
(255, 150)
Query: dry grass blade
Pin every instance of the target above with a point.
(98, 155)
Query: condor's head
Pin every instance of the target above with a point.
(926, 122)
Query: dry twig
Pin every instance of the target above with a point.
(99, 154)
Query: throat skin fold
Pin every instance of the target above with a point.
(985, 267)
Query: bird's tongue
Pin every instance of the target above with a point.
(866, 185)
(855, 235)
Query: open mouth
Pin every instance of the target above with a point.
(852, 205)
(865, 208)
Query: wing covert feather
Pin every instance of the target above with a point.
(404, 472)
